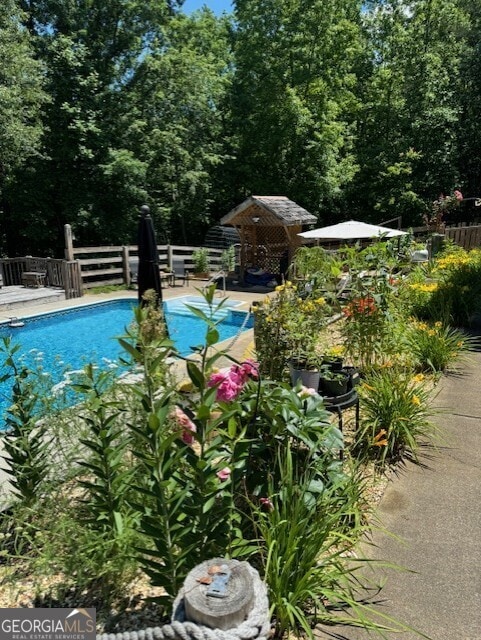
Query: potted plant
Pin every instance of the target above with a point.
(200, 258)
(305, 366)
(333, 383)
(227, 260)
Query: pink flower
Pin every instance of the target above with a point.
(230, 382)
(250, 368)
(223, 474)
(266, 504)
(228, 385)
(458, 195)
(306, 391)
(188, 427)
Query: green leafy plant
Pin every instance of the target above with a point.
(366, 330)
(435, 347)
(108, 476)
(396, 416)
(200, 258)
(328, 373)
(319, 268)
(26, 446)
(294, 418)
(304, 550)
(190, 456)
(287, 326)
(227, 259)
(457, 298)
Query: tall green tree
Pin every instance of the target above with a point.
(469, 132)
(90, 49)
(293, 98)
(21, 98)
(407, 134)
(175, 121)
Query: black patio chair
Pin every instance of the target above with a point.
(179, 271)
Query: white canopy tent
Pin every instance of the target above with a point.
(352, 230)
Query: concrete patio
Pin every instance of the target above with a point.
(14, 298)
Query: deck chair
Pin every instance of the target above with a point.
(179, 272)
(134, 269)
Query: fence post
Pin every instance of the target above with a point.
(125, 265)
(67, 285)
(169, 256)
(68, 242)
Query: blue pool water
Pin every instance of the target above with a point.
(71, 338)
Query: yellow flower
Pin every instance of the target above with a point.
(416, 400)
(431, 332)
(424, 287)
(378, 440)
(367, 386)
(438, 325)
(419, 377)
(280, 287)
(336, 350)
(459, 344)
(321, 301)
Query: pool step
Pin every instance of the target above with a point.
(181, 309)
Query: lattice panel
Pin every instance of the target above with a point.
(264, 247)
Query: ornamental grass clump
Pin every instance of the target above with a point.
(396, 416)
(305, 552)
(434, 347)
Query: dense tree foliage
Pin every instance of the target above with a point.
(353, 109)
(21, 98)
(294, 99)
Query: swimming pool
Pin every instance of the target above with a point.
(71, 338)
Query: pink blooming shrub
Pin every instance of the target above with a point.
(231, 381)
(185, 423)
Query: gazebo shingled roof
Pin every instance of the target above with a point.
(284, 211)
(268, 228)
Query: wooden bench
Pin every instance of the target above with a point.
(34, 279)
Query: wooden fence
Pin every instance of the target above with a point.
(466, 237)
(64, 274)
(89, 267)
(109, 265)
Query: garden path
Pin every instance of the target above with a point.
(435, 513)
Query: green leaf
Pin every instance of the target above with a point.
(195, 374)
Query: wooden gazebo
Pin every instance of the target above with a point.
(268, 228)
